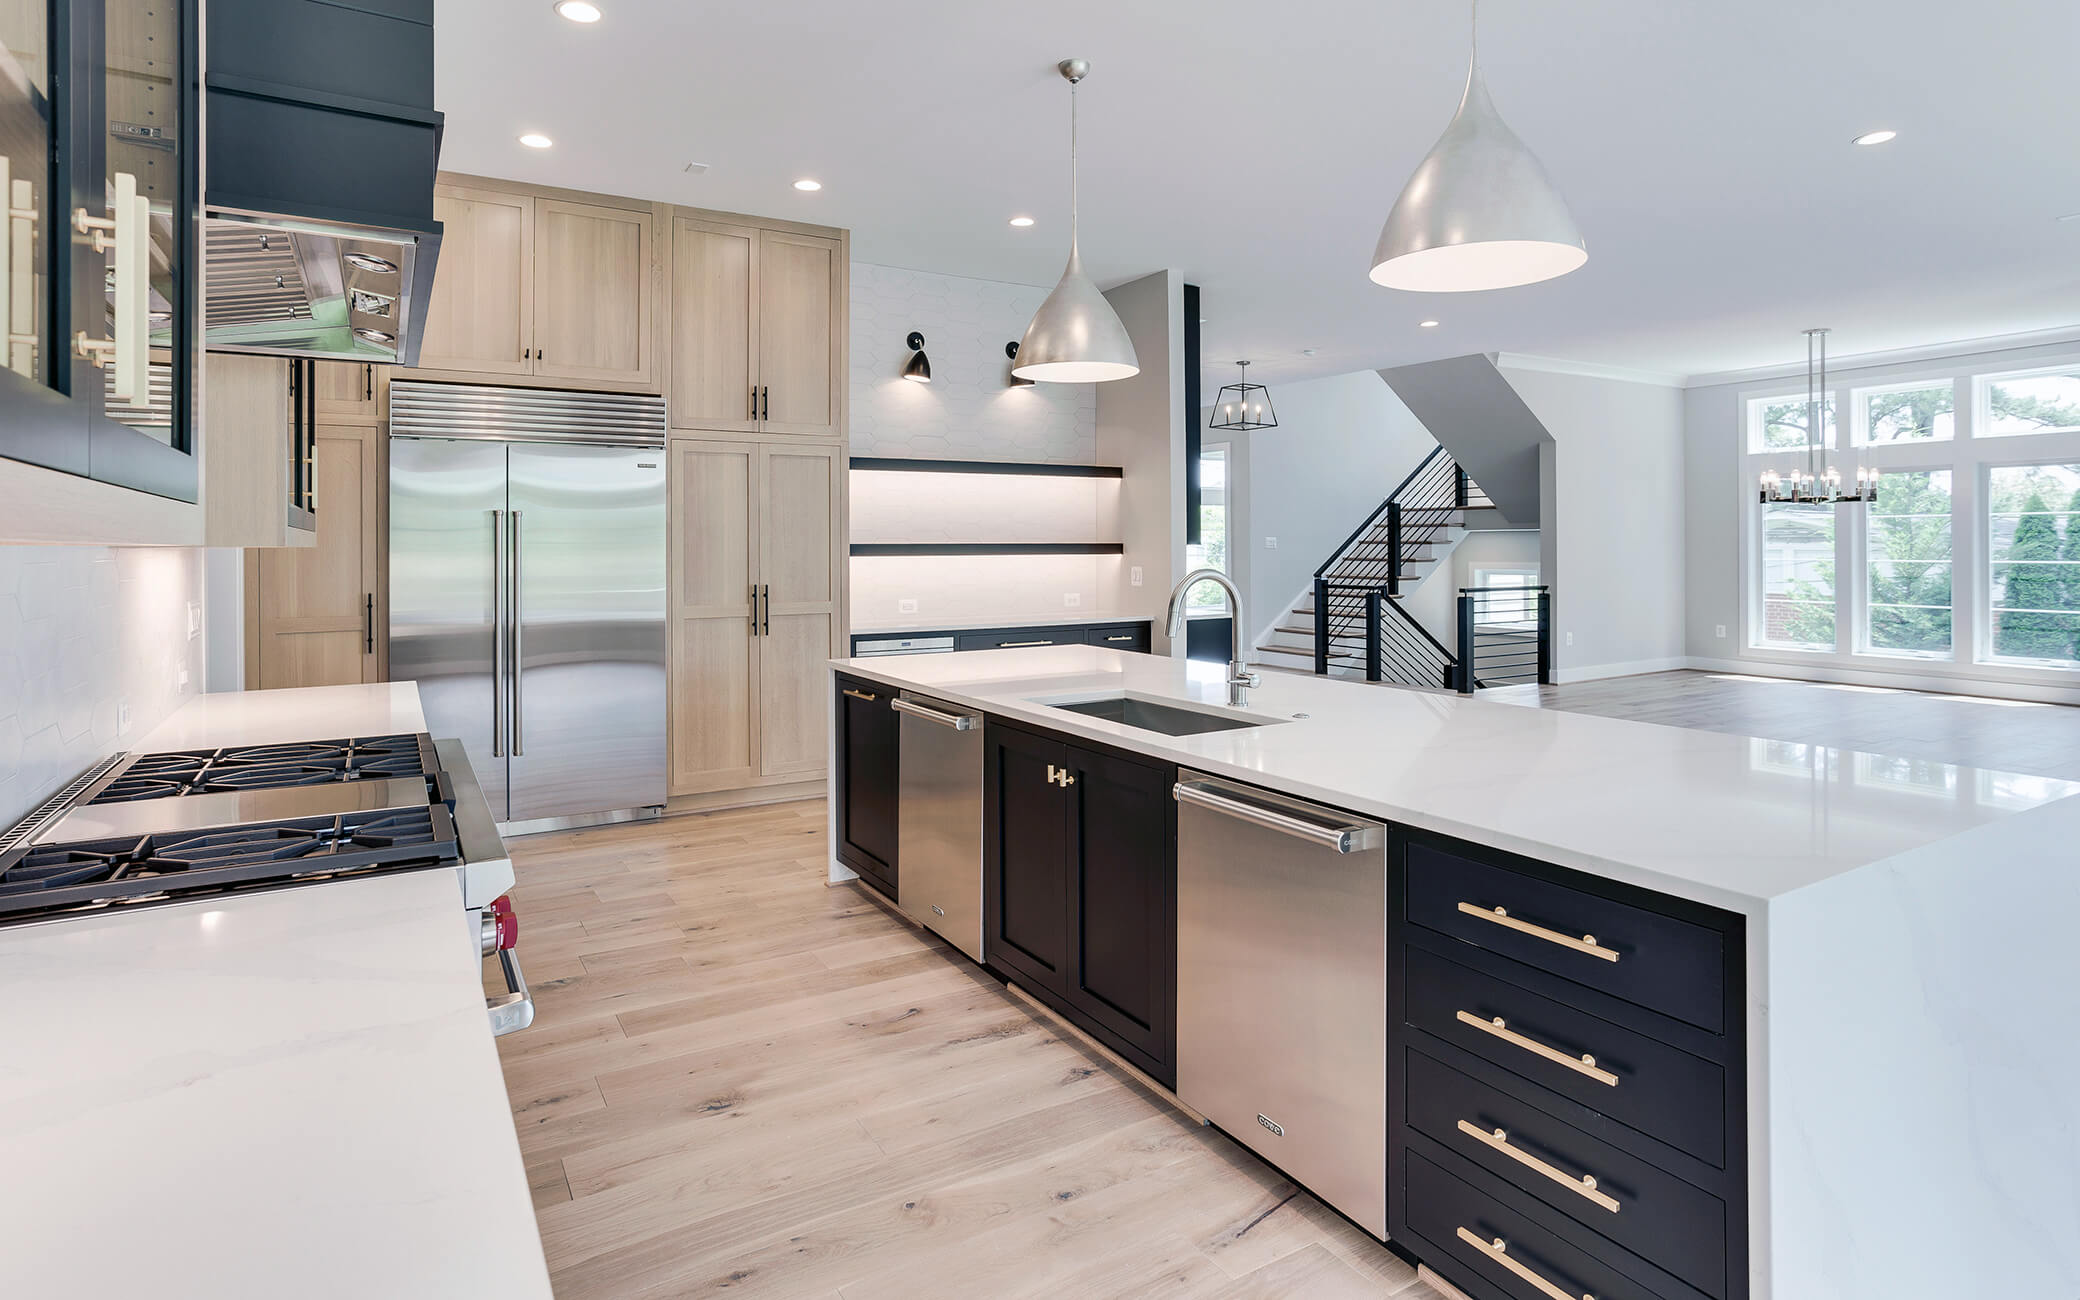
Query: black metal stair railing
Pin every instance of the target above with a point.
(1506, 636)
(1358, 618)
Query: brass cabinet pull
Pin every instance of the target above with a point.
(861, 695)
(1500, 916)
(1584, 1065)
(1060, 776)
(1498, 1140)
(1020, 645)
(1119, 638)
(1498, 1250)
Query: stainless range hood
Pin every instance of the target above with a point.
(321, 148)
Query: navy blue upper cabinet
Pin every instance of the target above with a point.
(98, 270)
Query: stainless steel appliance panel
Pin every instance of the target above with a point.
(939, 825)
(1282, 985)
(915, 645)
(447, 593)
(586, 702)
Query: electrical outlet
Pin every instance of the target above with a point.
(1072, 598)
(1271, 543)
(194, 619)
(1722, 629)
(1134, 575)
(907, 605)
(123, 716)
(1570, 638)
(183, 681)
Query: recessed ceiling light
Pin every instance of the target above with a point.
(1875, 137)
(1427, 324)
(1021, 222)
(808, 186)
(1307, 352)
(536, 140)
(578, 11)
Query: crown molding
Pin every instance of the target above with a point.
(1894, 357)
(1586, 369)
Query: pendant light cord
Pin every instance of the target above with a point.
(1073, 197)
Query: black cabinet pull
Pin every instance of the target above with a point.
(368, 391)
(368, 643)
(754, 403)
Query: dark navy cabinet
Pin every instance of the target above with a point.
(866, 782)
(1133, 634)
(99, 147)
(1566, 1079)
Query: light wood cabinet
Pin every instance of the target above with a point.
(758, 324)
(248, 469)
(314, 615)
(536, 287)
(756, 583)
(349, 392)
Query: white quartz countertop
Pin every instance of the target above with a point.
(290, 1093)
(1722, 819)
(276, 717)
(1053, 618)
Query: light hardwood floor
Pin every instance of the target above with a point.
(740, 1079)
(2004, 735)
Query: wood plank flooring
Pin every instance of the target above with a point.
(742, 1080)
(2003, 735)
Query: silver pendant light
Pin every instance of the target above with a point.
(1075, 337)
(1479, 212)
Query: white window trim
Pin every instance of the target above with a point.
(1968, 457)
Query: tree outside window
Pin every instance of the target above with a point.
(1909, 564)
(2034, 547)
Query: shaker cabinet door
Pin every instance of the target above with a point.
(481, 315)
(592, 294)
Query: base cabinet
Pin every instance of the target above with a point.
(1080, 887)
(866, 784)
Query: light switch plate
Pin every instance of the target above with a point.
(906, 605)
(1271, 543)
(1134, 575)
(194, 619)
(123, 716)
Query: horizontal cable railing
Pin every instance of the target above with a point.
(1505, 637)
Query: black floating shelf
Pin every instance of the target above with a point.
(1028, 469)
(988, 548)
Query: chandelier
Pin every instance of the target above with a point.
(1821, 481)
(1243, 405)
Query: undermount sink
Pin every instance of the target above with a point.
(1147, 715)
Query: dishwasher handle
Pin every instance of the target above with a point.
(1341, 836)
(958, 721)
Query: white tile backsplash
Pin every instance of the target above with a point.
(968, 411)
(85, 631)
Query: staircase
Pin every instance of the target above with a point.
(1352, 623)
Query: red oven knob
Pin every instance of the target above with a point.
(508, 924)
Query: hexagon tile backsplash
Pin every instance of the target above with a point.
(84, 631)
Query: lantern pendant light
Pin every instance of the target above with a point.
(1479, 212)
(1075, 337)
(1820, 483)
(1243, 405)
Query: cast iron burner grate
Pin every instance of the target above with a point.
(269, 767)
(160, 867)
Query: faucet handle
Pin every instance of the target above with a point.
(1244, 677)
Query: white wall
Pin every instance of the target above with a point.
(1615, 531)
(1715, 494)
(1341, 445)
(968, 411)
(1141, 429)
(84, 633)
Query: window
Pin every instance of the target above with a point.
(1207, 599)
(2043, 401)
(1514, 605)
(2033, 552)
(1797, 577)
(1907, 548)
(1905, 413)
(1781, 424)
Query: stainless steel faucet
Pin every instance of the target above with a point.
(1240, 678)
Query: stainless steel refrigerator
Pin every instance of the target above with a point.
(527, 589)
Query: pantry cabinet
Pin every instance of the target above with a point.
(538, 288)
(758, 323)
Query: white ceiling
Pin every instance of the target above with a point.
(1704, 148)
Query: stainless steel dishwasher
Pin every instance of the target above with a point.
(1282, 985)
(939, 819)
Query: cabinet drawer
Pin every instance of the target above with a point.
(1547, 1255)
(1120, 636)
(1663, 1092)
(1012, 638)
(1674, 967)
(1654, 1213)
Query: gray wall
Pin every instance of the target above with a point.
(1341, 445)
(1483, 421)
(1615, 533)
(1141, 429)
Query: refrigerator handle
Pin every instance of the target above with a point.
(498, 634)
(514, 613)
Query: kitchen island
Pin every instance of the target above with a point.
(1907, 996)
(262, 1094)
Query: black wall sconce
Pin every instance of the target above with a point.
(920, 367)
(1011, 351)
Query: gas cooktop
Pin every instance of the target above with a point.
(267, 767)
